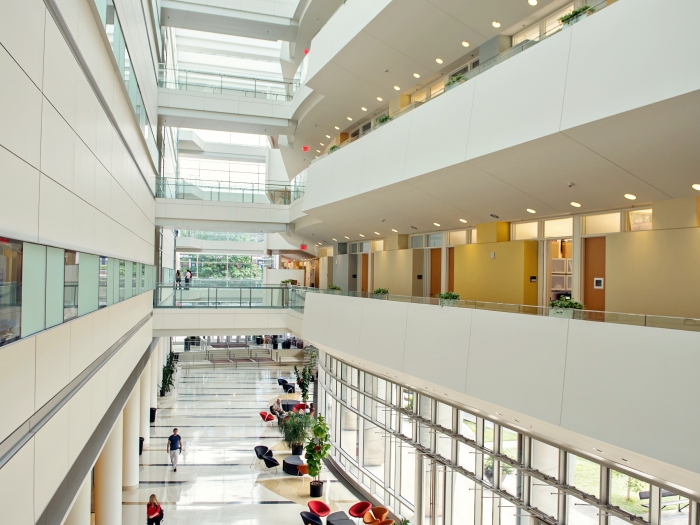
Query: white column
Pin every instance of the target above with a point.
(154, 374)
(80, 512)
(108, 478)
(146, 404)
(130, 456)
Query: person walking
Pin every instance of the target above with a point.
(188, 278)
(178, 279)
(154, 513)
(175, 448)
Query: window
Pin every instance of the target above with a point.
(629, 493)
(559, 228)
(584, 474)
(553, 23)
(525, 230)
(355, 133)
(529, 34)
(373, 451)
(457, 238)
(366, 127)
(70, 287)
(545, 458)
(417, 241)
(435, 239)
(472, 236)
(420, 97)
(602, 223)
(437, 89)
(640, 220)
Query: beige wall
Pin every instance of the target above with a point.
(503, 279)
(676, 213)
(397, 270)
(653, 272)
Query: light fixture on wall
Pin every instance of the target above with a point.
(318, 151)
(321, 143)
(416, 75)
(530, 210)
(465, 43)
(576, 204)
(336, 240)
(380, 99)
(397, 88)
(496, 24)
(463, 220)
(630, 197)
(439, 60)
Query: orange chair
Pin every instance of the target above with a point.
(303, 470)
(380, 513)
(369, 518)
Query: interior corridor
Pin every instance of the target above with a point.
(217, 415)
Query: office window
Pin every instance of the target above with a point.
(584, 474)
(103, 284)
(529, 34)
(55, 285)
(435, 239)
(545, 458)
(552, 24)
(557, 228)
(88, 288)
(417, 241)
(420, 97)
(70, 287)
(437, 89)
(457, 238)
(602, 223)
(472, 236)
(630, 494)
(33, 289)
(10, 289)
(525, 230)
(640, 220)
(122, 280)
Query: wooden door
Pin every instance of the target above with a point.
(450, 269)
(435, 271)
(365, 272)
(594, 273)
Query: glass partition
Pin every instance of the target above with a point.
(10, 289)
(33, 289)
(71, 281)
(55, 285)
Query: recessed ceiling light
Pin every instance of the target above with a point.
(347, 237)
(377, 233)
(337, 127)
(361, 235)
(321, 143)
(436, 224)
(416, 75)
(336, 240)
(696, 187)
(530, 210)
(465, 43)
(397, 88)
(532, 2)
(438, 60)
(576, 204)
(350, 118)
(495, 216)
(496, 24)
(328, 136)
(630, 197)
(380, 99)
(318, 151)
(363, 109)
(395, 231)
(316, 156)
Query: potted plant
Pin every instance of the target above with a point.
(304, 380)
(381, 293)
(335, 289)
(288, 282)
(572, 18)
(382, 120)
(316, 451)
(168, 374)
(454, 82)
(563, 307)
(333, 148)
(448, 298)
(295, 429)
(405, 521)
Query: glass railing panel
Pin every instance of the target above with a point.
(673, 323)
(225, 191)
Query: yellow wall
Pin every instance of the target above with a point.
(504, 279)
(397, 269)
(653, 272)
(492, 232)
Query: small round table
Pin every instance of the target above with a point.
(290, 464)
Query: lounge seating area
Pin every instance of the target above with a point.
(362, 509)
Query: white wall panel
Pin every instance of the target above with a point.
(55, 214)
(17, 487)
(81, 340)
(60, 74)
(85, 173)
(81, 424)
(385, 156)
(383, 332)
(25, 40)
(16, 385)
(57, 148)
(53, 349)
(50, 458)
(19, 215)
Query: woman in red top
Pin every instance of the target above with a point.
(153, 511)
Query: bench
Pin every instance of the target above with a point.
(681, 502)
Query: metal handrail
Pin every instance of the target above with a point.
(212, 190)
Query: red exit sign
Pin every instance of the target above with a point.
(303, 246)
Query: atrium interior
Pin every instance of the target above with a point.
(328, 262)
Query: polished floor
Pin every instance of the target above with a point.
(216, 413)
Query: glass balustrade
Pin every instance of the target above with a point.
(224, 191)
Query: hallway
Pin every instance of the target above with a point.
(217, 414)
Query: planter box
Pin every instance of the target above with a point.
(380, 296)
(564, 313)
(448, 302)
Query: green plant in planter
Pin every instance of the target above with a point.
(405, 521)
(455, 80)
(449, 296)
(168, 373)
(295, 428)
(572, 16)
(333, 148)
(383, 119)
(317, 449)
(304, 380)
(333, 287)
(380, 291)
(566, 303)
(286, 281)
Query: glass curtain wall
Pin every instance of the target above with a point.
(436, 464)
(209, 266)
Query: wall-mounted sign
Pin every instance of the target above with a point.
(598, 283)
(533, 278)
(303, 246)
(419, 276)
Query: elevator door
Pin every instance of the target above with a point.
(435, 271)
(594, 273)
(365, 272)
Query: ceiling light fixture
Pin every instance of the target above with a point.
(630, 197)
(336, 240)
(397, 88)
(380, 99)
(318, 151)
(350, 119)
(436, 224)
(337, 127)
(377, 233)
(463, 220)
(328, 136)
(416, 75)
(363, 109)
(495, 216)
(532, 2)
(347, 237)
(576, 204)
(465, 43)
(321, 143)
(361, 235)
(496, 24)
(438, 60)
(395, 231)
(696, 187)
(530, 210)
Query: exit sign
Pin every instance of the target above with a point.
(303, 246)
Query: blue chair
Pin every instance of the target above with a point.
(310, 519)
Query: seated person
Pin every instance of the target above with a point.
(311, 410)
(277, 409)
